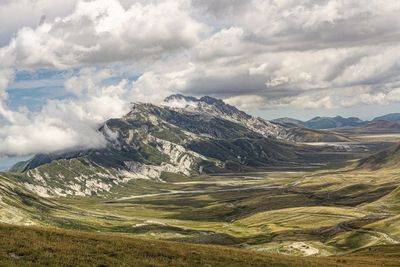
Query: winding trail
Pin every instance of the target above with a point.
(384, 235)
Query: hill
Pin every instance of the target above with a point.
(20, 206)
(389, 158)
(49, 247)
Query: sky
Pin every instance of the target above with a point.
(66, 66)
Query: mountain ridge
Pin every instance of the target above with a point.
(321, 123)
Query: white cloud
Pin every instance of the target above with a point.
(248, 102)
(87, 81)
(6, 76)
(394, 95)
(312, 102)
(225, 43)
(102, 31)
(65, 124)
(164, 80)
(16, 14)
(255, 54)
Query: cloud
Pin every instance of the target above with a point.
(103, 31)
(273, 49)
(256, 54)
(87, 82)
(66, 124)
(248, 102)
(16, 14)
(6, 76)
(309, 24)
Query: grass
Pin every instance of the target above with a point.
(300, 218)
(325, 209)
(50, 247)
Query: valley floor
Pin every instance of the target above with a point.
(305, 213)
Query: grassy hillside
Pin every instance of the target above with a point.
(41, 247)
(20, 206)
(296, 212)
(389, 158)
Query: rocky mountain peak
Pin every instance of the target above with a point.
(180, 97)
(205, 104)
(212, 101)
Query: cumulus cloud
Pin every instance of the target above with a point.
(66, 124)
(6, 75)
(283, 50)
(16, 14)
(102, 31)
(256, 54)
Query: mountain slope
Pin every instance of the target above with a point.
(389, 158)
(286, 121)
(388, 117)
(20, 206)
(289, 132)
(216, 108)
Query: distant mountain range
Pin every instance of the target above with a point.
(183, 135)
(341, 122)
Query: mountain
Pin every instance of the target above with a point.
(217, 108)
(183, 135)
(388, 158)
(373, 127)
(340, 122)
(333, 122)
(321, 122)
(388, 117)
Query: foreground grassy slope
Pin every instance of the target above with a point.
(45, 247)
